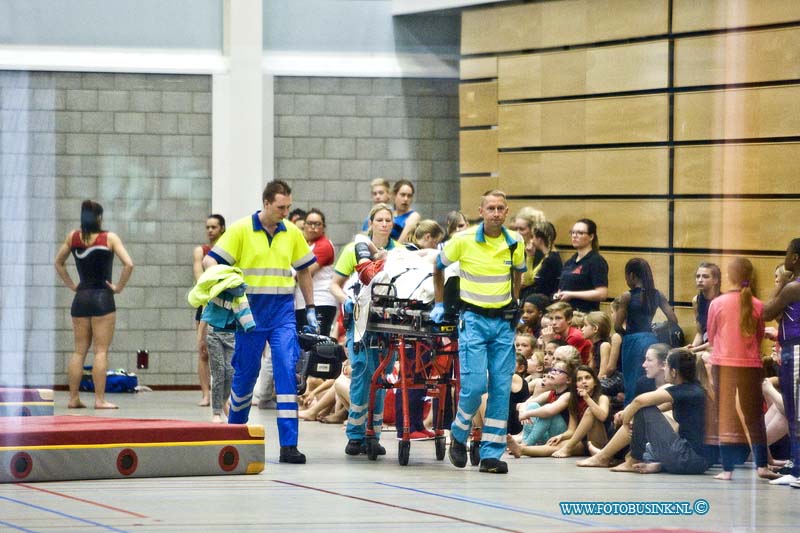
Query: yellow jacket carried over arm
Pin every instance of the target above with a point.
(221, 289)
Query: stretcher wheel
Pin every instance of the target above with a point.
(403, 451)
(441, 447)
(372, 448)
(474, 452)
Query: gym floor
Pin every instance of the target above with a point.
(334, 492)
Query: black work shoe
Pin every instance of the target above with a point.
(494, 466)
(458, 453)
(356, 447)
(379, 449)
(290, 454)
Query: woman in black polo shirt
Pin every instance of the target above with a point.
(584, 277)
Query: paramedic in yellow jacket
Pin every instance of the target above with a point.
(489, 255)
(267, 247)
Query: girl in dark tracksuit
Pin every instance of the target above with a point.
(655, 445)
(784, 305)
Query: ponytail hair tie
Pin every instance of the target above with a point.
(745, 283)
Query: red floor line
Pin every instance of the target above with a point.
(90, 502)
(450, 517)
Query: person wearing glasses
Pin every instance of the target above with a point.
(584, 277)
(321, 274)
(546, 415)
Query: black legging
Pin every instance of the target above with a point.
(325, 315)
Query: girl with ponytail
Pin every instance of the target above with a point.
(93, 308)
(735, 331)
(634, 318)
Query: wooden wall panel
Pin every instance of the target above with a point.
(471, 191)
(737, 169)
(586, 71)
(738, 114)
(694, 15)
(735, 224)
(478, 104)
(478, 68)
(478, 151)
(686, 322)
(742, 57)
(614, 171)
(593, 121)
(614, 219)
(548, 24)
(686, 266)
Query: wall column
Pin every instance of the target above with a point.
(238, 117)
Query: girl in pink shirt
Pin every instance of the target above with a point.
(735, 330)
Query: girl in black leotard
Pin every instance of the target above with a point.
(93, 309)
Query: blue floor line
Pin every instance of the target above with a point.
(503, 507)
(59, 513)
(14, 526)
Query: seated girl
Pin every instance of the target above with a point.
(547, 414)
(597, 328)
(655, 444)
(589, 408)
(565, 353)
(519, 394)
(655, 362)
(332, 405)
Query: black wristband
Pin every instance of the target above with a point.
(312, 306)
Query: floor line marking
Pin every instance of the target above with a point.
(495, 505)
(14, 526)
(393, 506)
(90, 502)
(59, 513)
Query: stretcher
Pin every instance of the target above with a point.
(427, 354)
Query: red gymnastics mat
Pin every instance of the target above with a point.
(26, 402)
(59, 448)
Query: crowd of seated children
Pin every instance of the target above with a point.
(576, 367)
(587, 410)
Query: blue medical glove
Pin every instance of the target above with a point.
(311, 318)
(437, 315)
(349, 304)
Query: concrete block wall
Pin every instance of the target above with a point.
(141, 146)
(334, 135)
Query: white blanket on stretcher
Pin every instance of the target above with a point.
(409, 272)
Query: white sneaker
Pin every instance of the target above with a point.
(795, 485)
(788, 479)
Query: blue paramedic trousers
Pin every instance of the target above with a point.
(484, 345)
(246, 365)
(364, 360)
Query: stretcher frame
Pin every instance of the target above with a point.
(428, 358)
